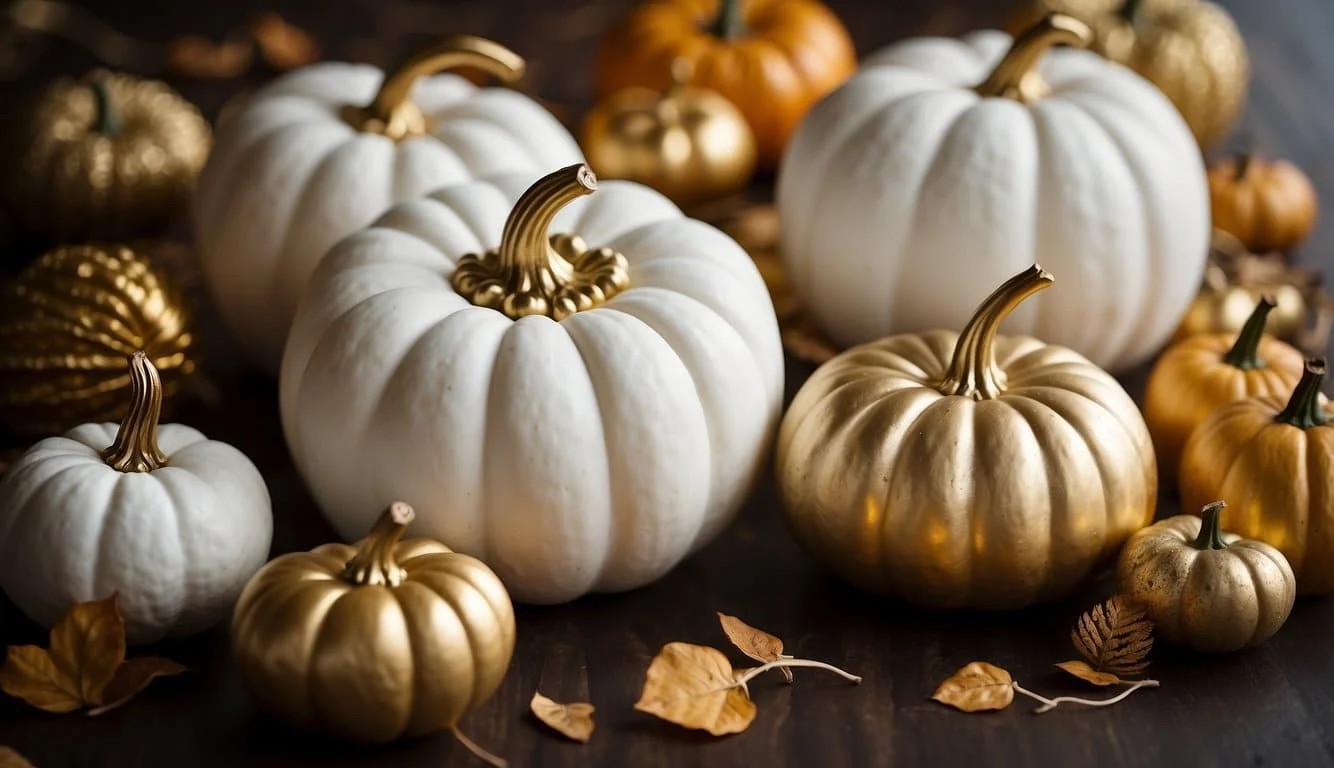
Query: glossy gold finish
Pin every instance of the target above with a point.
(688, 143)
(1015, 75)
(376, 641)
(392, 114)
(68, 322)
(966, 470)
(1272, 459)
(107, 157)
(1206, 589)
(135, 448)
(1195, 377)
(1267, 206)
(1235, 279)
(535, 273)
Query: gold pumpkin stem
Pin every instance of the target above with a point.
(1015, 76)
(973, 372)
(1211, 527)
(535, 273)
(392, 114)
(1245, 351)
(135, 448)
(1303, 410)
(374, 563)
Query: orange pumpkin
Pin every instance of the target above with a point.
(1267, 206)
(773, 59)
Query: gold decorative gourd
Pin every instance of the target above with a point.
(1272, 459)
(376, 641)
(1206, 589)
(106, 157)
(1235, 280)
(67, 323)
(1268, 206)
(966, 470)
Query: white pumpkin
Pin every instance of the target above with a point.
(174, 523)
(320, 153)
(590, 453)
(925, 180)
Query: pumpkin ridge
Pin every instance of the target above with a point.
(178, 504)
(467, 619)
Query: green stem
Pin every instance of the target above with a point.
(107, 120)
(1245, 352)
(1129, 11)
(1303, 410)
(730, 22)
(1211, 528)
(1243, 166)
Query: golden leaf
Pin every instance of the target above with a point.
(976, 687)
(1083, 671)
(574, 720)
(31, 675)
(10, 758)
(755, 643)
(197, 56)
(1115, 637)
(88, 644)
(283, 45)
(132, 677)
(694, 686)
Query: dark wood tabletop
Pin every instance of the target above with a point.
(1270, 706)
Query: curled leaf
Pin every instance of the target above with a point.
(282, 45)
(1083, 671)
(1115, 637)
(31, 675)
(694, 686)
(976, 687)
(132, 677)
(88, 644)
(755, 643)
(574, 720)
(10, 758)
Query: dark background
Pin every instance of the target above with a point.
(1270, 706)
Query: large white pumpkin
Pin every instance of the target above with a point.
(936, 172)
(321, 152)
(589, 453)
(174, 523)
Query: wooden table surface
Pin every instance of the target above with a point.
(1270, 706)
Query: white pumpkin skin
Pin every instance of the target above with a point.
(587, 455)
(905, 191)
(177, 544)
(289, 177)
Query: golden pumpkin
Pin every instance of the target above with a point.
(107, 157)
(1267, 206)
(966, 470)
(375, 641)
(1206, 589)
(1196, 376)
(1274, 463)
(68, 322)
(1225, 301)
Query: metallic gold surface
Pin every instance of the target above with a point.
(1272, 459)
(377, 641)
(68, 322)
(135, 448)
(966, 470)
(1015, 75)
(1235, 279)
(533, 273)
(1267, 206)
(1206, 589)
(107, 157)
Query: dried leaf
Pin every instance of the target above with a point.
(574, 720)
(1088, 674)
(196, 56)
(694, 686)
(132, 677)
(9, 758)
(755, 643)
(88, 644)
(31, 675)
(977, 687)
(804, 342)
(283, 45)
(1115, 637)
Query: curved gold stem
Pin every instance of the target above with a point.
(1015, 76)
(524, 243)
(973, 372)
(374, 563)
(135, 448)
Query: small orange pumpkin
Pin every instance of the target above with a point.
(1267, 206)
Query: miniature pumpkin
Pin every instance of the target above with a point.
(68, 321)
(1274, 462)
(1206, 589)
(773, 59)
(965, 470)
(925, 180)
(1267, 206)
(1191, 49)
(579, 392)
(1195, 377)
(105, 157)
(1234, 281)
(170, 521)
(321, 152)
(375, 641)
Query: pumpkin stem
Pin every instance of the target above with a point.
(1243, 166)
(392, 114)
(973, 372)
(730, 23)
(106, 118)
(374, 563)
(1245, 351)
(1303, 410)
(1211, 527)
(535, 273)
(1015, 75)
(135, 448)
(1129, 11)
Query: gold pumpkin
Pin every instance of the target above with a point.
(966, 470)
(1225, 302)
(68, 322)
(107, 157)
(1190, 49)
(1195, 377)
(1267, 206)
(375, 641)
(1206, 589)
(1274, 463)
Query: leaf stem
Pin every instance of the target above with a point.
(478, 751)
(1050, 704)
(781, 663)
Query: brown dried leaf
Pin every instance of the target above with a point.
(1115, 637)
(88, 645)
(31, 675)
(977, 687)
(282, 45)
(9, 758)
(132, 677)
(574, 720)
(1083, 671)
(693, 686)
(196, 56)
(755, 643)
(803, 341)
